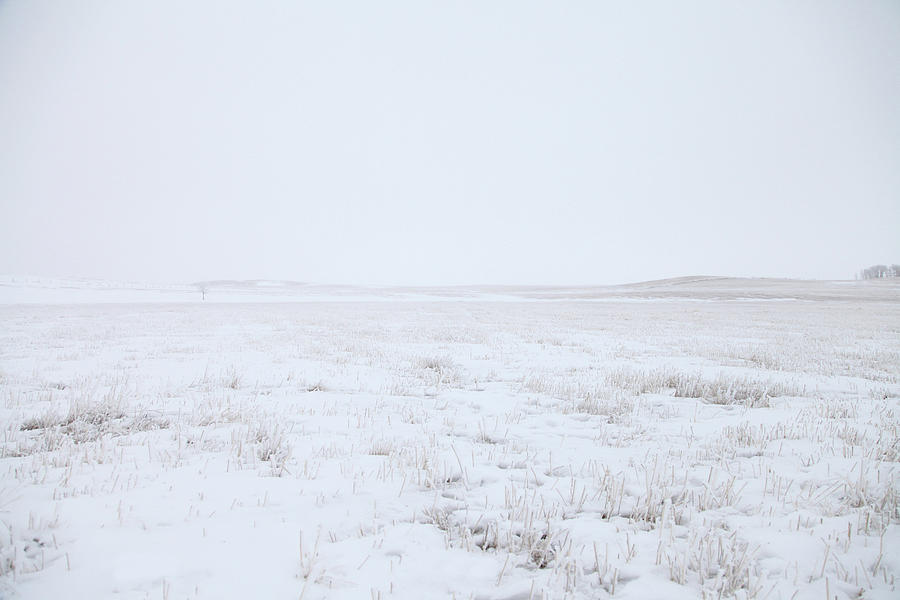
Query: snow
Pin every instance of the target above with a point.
(494, 443)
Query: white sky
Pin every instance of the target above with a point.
(460, 142)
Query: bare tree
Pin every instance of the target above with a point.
(880, 272)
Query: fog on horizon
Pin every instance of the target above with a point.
(420, 143)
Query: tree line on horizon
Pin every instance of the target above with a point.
(879, 272)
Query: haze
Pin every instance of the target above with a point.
(424, 143)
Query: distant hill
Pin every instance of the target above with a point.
(38, 290)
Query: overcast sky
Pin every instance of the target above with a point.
(456, 142)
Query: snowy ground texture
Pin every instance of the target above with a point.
(676, 446)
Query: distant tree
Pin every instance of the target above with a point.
(880, 272)
(202, 287)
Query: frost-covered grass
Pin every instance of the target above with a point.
(508, 450)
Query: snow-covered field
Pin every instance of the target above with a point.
(692, 438)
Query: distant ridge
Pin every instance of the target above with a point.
(37, 290)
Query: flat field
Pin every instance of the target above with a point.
(546, 445)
